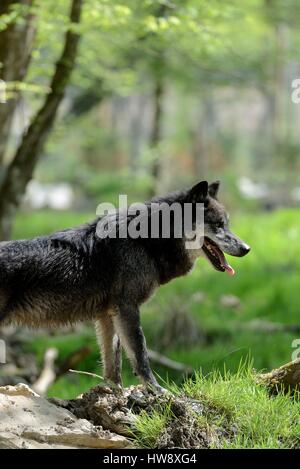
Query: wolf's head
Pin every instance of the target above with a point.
(218, 239)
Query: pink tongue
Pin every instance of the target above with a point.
(229, 269)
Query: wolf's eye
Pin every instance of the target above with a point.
(219, 224)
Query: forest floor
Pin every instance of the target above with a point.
(217, 412)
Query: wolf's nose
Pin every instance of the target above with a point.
(245, 249)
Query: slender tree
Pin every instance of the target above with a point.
(20, 170)
(16, 41)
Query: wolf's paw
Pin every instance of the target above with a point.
(116, 387)
(157, 389)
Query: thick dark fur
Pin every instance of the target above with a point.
(73, 275)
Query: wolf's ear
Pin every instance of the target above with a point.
(199, 191)
(213, 189)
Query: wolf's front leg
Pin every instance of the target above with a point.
(127, 324)
(110, 346)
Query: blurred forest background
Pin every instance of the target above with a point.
(101, 98)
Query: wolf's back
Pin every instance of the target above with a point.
(44, 283)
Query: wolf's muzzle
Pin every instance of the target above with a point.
(243, 250)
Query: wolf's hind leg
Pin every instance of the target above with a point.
(127, 325)
(110, 347)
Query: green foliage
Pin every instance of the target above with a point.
(194, 47)
(124, 42)
(45, 222)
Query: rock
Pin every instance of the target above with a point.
(230, 301)
(180, 327)
(103, 406)
(198, 297)
(103, 417)
(30, 421)
(18, 390)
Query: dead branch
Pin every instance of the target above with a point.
(87, 373)
(72, 360)
(162, 360)
(48, 375)
(267, 326)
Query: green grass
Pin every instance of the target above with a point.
(235, 406)
(266, 282)
(42, 222)
(148, 427)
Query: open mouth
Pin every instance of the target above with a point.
(216, 256)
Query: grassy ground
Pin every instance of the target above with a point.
(266, 284)
(237, 413)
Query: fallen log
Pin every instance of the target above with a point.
(286, 378)
(268, 327)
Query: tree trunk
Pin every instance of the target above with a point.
(15, 53)
(161, 10)
(155, 136)
(278, 84)
(137, 131)
(20, 170)
(204, 134)
(279, 116)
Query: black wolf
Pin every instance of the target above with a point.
(75, 275)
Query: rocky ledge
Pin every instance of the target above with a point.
(101, 418)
